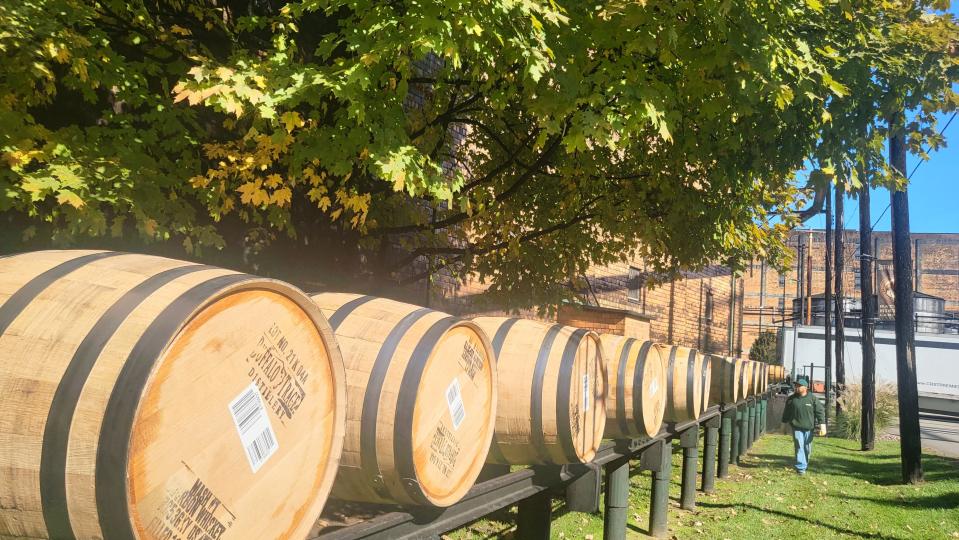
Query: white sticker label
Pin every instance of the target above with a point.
(653, 387)
(253, 425)
(586, 399)
(454, 400)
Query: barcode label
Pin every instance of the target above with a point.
(454, 400)
(586, 393)
(653, 387)
(253, 425)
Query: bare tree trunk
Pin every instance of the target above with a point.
(840, 319)
(910, 443)
(868, 431)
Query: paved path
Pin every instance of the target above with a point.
(939, 434)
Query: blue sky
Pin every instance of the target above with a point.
(933, 192)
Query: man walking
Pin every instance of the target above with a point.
(803, 411)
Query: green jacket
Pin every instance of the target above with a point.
(804, 412)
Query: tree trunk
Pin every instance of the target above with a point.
(868, 431)
(827, 325)
(909, 438)
(840, 319)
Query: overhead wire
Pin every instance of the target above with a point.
(920, 162)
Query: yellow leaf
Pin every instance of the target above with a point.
(281, 197)
(150, 227)
(247, 190)
(177, 29)
(261, 197)
(273, 181)
(291, 120)
(68, 197)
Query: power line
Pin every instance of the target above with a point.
(920, 162)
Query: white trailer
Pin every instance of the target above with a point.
(937, 362)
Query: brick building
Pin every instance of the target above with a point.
(769, 294)
(713, 310)
(701, 309)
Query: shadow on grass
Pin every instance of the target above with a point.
(797, 517)
(946, 501)
(880, 469)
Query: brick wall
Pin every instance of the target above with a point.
(935, 272)
(693, 310)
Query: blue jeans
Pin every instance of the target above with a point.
(802, 441)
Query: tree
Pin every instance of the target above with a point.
(766, 348)
(520, 141)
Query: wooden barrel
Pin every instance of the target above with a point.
(707, 370)
(422, 401)
(765, 376)
(684, 383)
(724, 381)
(145, 397)
(636, 387)
(552, 387)
(746, 379)
(757, 378)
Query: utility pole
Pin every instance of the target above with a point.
(797, 317)
(866, 257)
(809, 279)
(910, 443)
(840, 317)
(827, 245)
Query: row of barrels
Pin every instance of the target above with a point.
(151, 398)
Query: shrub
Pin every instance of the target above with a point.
(849, 422)
(765, 348)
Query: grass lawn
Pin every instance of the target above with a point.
(846, 494)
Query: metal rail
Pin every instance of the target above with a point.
(533, 488)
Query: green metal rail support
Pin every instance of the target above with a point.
(709, 453)
(766, 415)
(762, 417)
(660, 460)
(725, 440)
(617, 500)
(751, 426)
(689, 442)
(743, 432)
(534, 517)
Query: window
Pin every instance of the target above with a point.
(708, 307)
(858, 277)
(782, 280)
(634, 283)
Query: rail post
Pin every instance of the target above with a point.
(617, 500)
(751, 424)
(534, 517)
(725, 440)
(743, 416)
(689, 442)
(709, 453)
(763, 409)
(582, 494)
(658, 459)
